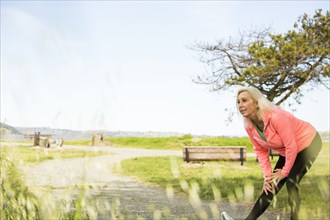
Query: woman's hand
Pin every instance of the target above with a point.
(268, 185)
(277, 176)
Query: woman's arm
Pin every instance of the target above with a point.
(262, 155)
(282, 123)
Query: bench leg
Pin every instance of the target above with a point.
(241, 156)
(187, 155)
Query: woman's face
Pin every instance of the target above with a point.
(246, 105)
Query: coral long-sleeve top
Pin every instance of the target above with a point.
(284, 133)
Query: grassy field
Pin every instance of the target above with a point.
(17, 141)
(230, 181)
(78, 142)
(34, 155)
(163, 143)
(209, 181)
(176, 143)
(169, 143)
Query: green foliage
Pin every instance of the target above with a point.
(277, 64)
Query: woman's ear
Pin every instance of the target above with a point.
(257, 105)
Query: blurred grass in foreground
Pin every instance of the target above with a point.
(211, 181)
(232, 182)
(17, 201)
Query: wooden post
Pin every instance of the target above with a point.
(36, 138)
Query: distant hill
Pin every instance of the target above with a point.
(6, 130)
(20, 133)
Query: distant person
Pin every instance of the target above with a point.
(298, 143)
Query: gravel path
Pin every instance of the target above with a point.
(131, 198)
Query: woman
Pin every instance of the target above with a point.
(298, 143)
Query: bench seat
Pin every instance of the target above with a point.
(214, 153)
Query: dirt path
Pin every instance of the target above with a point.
(132, 198)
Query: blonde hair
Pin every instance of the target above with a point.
(264, 104)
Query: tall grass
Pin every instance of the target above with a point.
(17, 201)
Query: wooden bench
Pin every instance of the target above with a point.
(214, 153)
(273, 153)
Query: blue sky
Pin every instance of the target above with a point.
(126, 66)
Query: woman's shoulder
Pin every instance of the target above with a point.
(248, 126)
(278, 113)
(279, 116)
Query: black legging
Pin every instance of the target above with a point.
(300, 167)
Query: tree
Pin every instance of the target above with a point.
(279, 65)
